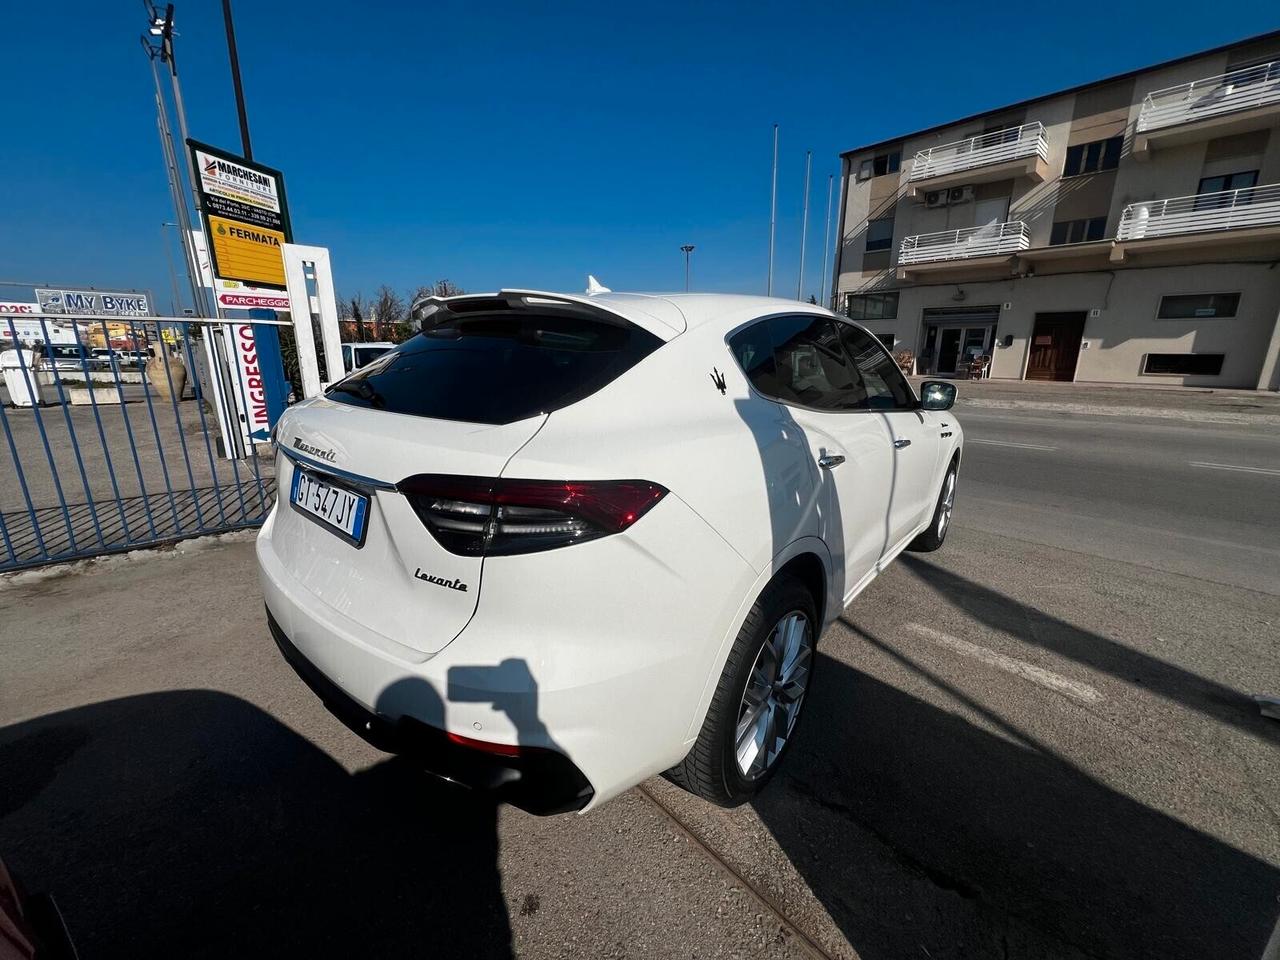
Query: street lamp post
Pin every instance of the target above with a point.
(688, 249)
(235, 79)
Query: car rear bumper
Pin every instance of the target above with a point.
(600, 653)
(537, 780)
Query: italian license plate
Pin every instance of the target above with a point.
(337, 508)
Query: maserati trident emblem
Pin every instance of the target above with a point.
(303, 447)
(454, 584)
(718, 379)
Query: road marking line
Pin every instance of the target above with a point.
(1019, 668)
(1010, 443)
(1230, 466)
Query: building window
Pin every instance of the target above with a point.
(879, 165)
(1199, 306)
(1184, 364)
(1091, 157)
(1078, 231)
(1219, 190)
(888, 339)
(871, 306)
(879, 234)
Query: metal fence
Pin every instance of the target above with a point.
(108, 450)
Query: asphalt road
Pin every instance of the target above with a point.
(1035, 743)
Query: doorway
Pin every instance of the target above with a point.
(954, 337)
(1055, 346)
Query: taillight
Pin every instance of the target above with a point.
(483, 516)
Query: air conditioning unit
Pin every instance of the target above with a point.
(961, 195)
(935, 198)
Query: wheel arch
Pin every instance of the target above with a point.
(806, 558)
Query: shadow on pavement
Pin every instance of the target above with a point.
(1001, 612)
(926, 836)
(192, 824)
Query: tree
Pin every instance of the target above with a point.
(387, 310)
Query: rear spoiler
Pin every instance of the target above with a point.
(432, 311)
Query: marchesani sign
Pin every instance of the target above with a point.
(246, 218)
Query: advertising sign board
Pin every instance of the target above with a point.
(95, 303)
(246, 218)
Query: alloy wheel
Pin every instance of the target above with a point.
(948, 501)
(775, 689)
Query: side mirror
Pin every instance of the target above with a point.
(937, 395)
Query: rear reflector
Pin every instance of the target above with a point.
(499, 749)
(483, 516)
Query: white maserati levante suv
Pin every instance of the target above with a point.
(555, 544)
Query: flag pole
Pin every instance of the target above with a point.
(773, 209)
(804, 223)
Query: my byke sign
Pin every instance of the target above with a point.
(245, 216)
(94, 303)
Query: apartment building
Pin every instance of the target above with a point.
(1125, 231)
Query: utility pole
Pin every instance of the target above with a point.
(688, 249)
(773, 210)
(804, 223)
(826, 239)
(235, 79)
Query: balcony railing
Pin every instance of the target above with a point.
(1238, 90)
(1011, 144)
(1227, 210)
(988, 241)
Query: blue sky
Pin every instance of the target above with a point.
(504, 144)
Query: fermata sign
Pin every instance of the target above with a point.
(251, 254)
(245, 214)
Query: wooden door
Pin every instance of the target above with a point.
(1055, 346)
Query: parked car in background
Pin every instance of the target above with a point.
(357, 355)
(554, 544)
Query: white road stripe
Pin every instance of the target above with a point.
(1230, 466)
(1010, 443)
(1019, 668)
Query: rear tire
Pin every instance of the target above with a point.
(931, 539)
(747, 730)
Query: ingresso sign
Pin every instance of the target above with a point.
(94, 303)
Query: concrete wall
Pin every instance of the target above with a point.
(1126, 328)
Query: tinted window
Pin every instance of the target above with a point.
(798, 360)
(1184, 364)
(871, 306)
(497, 368)
(1092, 157)
(883, 382)
(1199, 306)
(880, 234)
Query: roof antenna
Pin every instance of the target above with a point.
(595, 287)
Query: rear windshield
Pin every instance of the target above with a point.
(497, 368)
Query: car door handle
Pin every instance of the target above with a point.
(901, 442)
(829, 460)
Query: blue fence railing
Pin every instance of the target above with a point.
(106, 449)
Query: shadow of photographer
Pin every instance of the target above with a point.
(194, 824)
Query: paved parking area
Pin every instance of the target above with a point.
(1026, 745)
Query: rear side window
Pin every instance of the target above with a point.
(497, 368)
(819, 363)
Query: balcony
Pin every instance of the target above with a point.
(1234, 102)
(1016, 152)
(1246, 215)
(987, 246)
